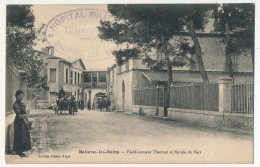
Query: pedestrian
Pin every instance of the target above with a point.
(78, 102)
(93, 106)
(101, 105)
(22, 139)
(105, 105)
(108, 104)
(82, 104)
(73, 105)
(89, 105)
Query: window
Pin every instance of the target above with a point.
(75, 81)
(78, 78)
(51, 51)
(109, 77)
(102, 77)
(67, 76)
(71, 77)
(53, 75)
(87, 77)
(94, 77)
(127, 66)
(113, 75)
(119, 69)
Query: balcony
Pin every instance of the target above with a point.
(94, 85)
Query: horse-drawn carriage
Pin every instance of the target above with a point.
(64, 104)
(101, 101)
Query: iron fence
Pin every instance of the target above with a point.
(242, 98)
(151, 96)
(198, 97)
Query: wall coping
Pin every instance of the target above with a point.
(145, 107)
(203, 112)
(225, 80)
(239, 115)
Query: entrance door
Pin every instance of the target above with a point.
(123, 96)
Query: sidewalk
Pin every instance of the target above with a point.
(224, 128)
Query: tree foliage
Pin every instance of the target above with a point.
(155, 26)
(21, 37)
(155, 29)
(237, 21)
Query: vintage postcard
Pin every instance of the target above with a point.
(129, 83)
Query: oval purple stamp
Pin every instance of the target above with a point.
(74, 33)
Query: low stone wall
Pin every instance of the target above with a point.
(42, 104)
(147, 110)
(9, 132)
(212, 118)
(234, 120)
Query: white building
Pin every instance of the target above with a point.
(64, 74)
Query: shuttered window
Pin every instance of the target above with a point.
(53, 75)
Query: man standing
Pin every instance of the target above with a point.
(61, 93)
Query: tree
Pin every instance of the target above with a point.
(236, 21)
(147, 28)
(21, 37)
(157, 27)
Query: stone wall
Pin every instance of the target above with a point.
(147, 110)
(212, 119)
(14, 82)
(125, 78)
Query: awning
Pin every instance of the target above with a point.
(195, 77)
(153, 76)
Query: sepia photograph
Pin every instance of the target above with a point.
(126, 83)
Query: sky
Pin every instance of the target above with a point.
(72, 31)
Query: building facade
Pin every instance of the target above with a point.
(64, 74)
(122, 80)
(94, 83)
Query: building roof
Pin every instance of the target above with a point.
(187, 76)
(95, 70)
(81, 62)
(54, 57)
(111, 68)
(74, 61)
(155, 76)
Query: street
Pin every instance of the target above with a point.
(115, 137)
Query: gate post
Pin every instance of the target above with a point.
(157, 101)
(224, 84)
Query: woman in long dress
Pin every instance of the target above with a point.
(22, 139)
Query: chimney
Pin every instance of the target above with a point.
(49, 51)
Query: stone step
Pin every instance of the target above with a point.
(120, 110)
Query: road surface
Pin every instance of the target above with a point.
(114, 137)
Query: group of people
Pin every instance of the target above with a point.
(102, 104)
(65, 102)
(80, 104)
